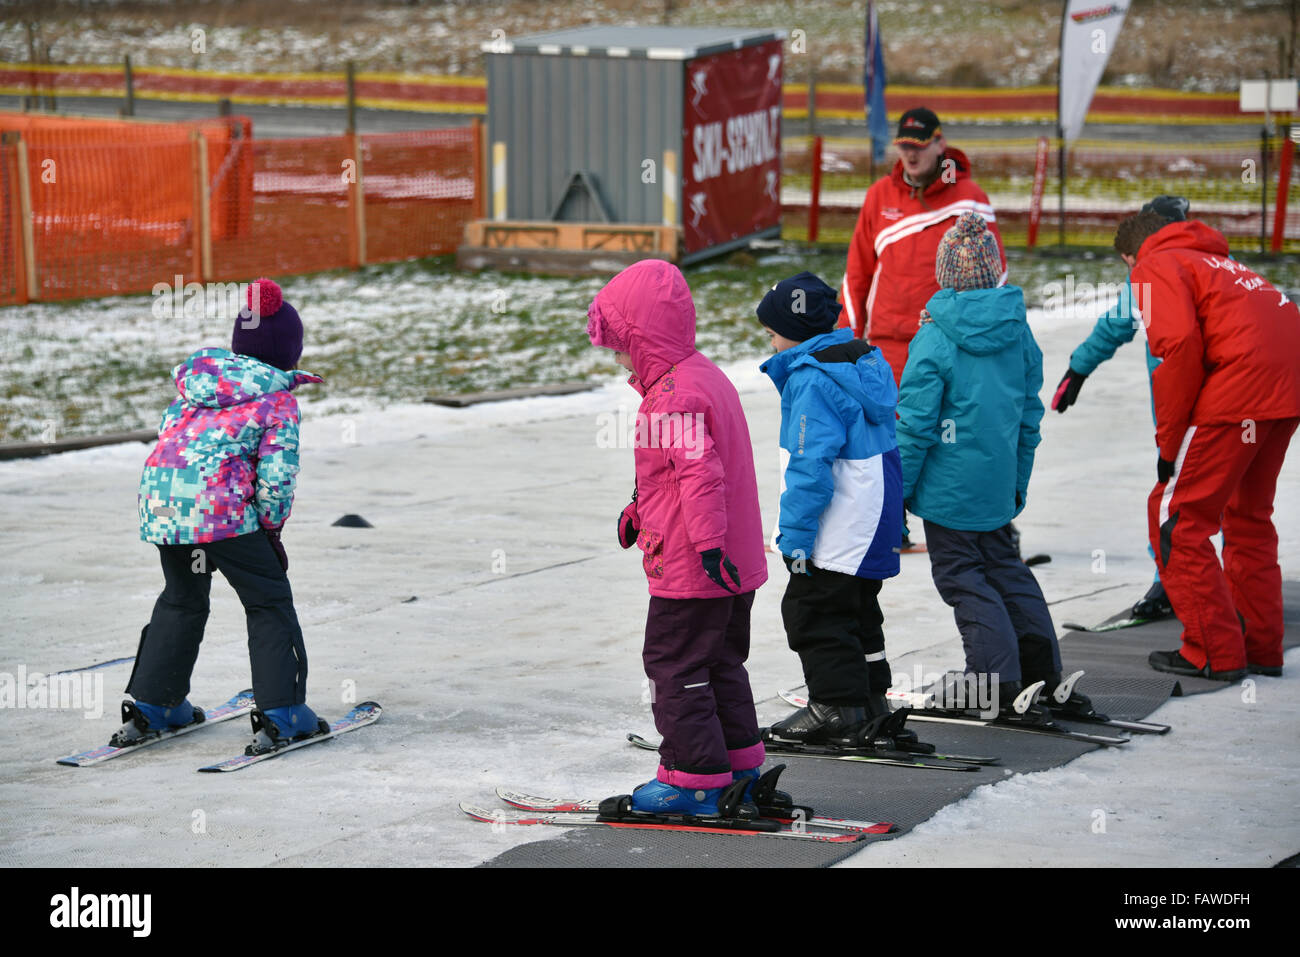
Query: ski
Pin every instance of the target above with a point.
(1058, 703)
(531, 802)
(367, 712)
(1119, 724)
(953, 762)
(924, 712)
(1109, 625)
(797, 700)
(241, 703)
(681, 825)
(897, 759)
(1004, 725)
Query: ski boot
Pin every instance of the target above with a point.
(142, 721)
(1064, 702)
(821, 724)
(1018, 704)
(1174, 663)
(889, 730)
(656, 801)
(1154, 605)
(274, 728)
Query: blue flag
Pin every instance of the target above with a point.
(873, 82)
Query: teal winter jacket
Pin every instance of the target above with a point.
(968, 410)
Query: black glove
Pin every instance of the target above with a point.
(715, 562)
(629, 523)
(1068, 390)
(1164, 470)
(797, 566)
(629, 526)
(273, 536)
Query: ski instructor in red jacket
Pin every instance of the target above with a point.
(890, 273)
(1227, 397)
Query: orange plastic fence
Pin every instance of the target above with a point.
(118, 207)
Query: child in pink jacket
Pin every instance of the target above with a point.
(695, 516)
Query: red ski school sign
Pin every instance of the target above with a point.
(731, 169)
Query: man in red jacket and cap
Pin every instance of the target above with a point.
(890, 273)
(1227, 397)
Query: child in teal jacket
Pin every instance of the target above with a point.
(968, 425)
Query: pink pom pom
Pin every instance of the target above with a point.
(264, 298)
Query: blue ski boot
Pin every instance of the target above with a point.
(656, 797)
(273, 728)
(142, 720)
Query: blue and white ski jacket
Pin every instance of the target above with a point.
(841, 484)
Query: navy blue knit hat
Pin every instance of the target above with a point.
(268, 329)
(1172, 208)
(799, 307)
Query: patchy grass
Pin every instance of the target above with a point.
(397, 333)
(1207, 45)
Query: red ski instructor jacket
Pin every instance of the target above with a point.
(1228, 341)
(890, 272)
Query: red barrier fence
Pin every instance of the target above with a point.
(1236, 187)
(468, 94)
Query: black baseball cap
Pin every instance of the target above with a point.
(1172, 208)
(917, 127)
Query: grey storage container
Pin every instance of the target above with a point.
(670, 126)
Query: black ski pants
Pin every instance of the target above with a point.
(169, 644)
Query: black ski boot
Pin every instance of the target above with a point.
(1064, 702)
(1017, 706)
(887, 727)
(1154, 605)
(821, 724)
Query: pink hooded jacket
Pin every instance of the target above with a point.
(696, 487)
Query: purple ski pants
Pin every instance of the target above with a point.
(695, 651)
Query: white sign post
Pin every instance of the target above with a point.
(1267, 97)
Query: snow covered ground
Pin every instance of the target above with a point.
(492, 614)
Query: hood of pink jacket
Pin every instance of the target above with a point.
(648, 307)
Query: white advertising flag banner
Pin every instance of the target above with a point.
(1088, 33)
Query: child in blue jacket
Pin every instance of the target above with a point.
(841, 512)
(968, 416)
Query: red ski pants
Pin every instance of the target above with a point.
(1222, 476)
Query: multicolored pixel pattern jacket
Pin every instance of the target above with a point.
(226, 462)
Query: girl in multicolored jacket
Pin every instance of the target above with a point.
(696, 519)
(215, 493)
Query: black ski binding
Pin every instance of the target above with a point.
(774, 803)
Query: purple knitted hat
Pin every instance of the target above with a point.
(268, 329)
(967, 257)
